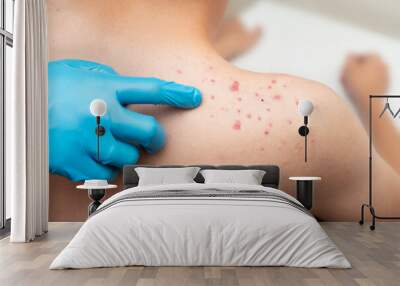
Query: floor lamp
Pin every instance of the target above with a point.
(370, 201)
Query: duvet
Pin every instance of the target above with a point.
(201, 224)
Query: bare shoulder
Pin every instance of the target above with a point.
(324, 98)
(333, 117)
(306, 87)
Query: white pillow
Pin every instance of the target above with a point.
(163, 176)
(248, 177)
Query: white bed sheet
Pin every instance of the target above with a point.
(200, 231)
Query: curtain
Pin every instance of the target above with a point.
(26, 124)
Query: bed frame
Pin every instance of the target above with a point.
(270, 179)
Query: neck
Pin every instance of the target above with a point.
(178, 17)
(182, 29)
(143, 33)
(155, 18)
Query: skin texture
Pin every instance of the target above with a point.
(245, 117)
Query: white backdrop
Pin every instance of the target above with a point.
(311, 45)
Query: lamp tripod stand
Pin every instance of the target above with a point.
(305, 108)
(303, 131)
(100, 131)
(370, 201)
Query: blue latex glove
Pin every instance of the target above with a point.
(73, 84)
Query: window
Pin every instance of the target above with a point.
(6, 61)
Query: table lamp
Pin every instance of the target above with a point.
(98, 108)
(305, 109)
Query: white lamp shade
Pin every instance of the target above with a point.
(305, 107)
(98, 107)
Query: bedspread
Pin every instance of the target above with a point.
(201, 224)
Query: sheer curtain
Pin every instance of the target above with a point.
(26, 124)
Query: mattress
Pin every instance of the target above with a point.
(201, 225)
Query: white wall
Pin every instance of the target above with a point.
(378, 15)
(310, 45)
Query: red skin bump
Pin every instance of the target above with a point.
(248, 115)
(236, 125)
(239, 99)
(212, 80)
(269, 87)
(257, 94)
(179, 71)
(273, 81)
(270, 125)
(212, 97)
(277, 97)
(234, 86)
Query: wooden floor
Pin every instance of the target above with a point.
(375, 257)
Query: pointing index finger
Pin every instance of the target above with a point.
(132, 90)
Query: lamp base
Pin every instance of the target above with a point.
(96, 195)
(303, 130)
(100, 130)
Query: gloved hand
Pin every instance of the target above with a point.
(73, 84)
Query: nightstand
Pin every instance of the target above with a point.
(96, 191)
(305, 190)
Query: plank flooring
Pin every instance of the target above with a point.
(375, 257)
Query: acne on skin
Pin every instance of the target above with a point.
(244, 119)
(273, 92)
(237, 125)
(265, 95)
(234, 89)
(234, 86)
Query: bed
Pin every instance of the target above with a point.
(201, 224)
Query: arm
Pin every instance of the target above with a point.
(365, 75)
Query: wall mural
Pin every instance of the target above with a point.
(173, 97)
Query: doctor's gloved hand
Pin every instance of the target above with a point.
(73, 84)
